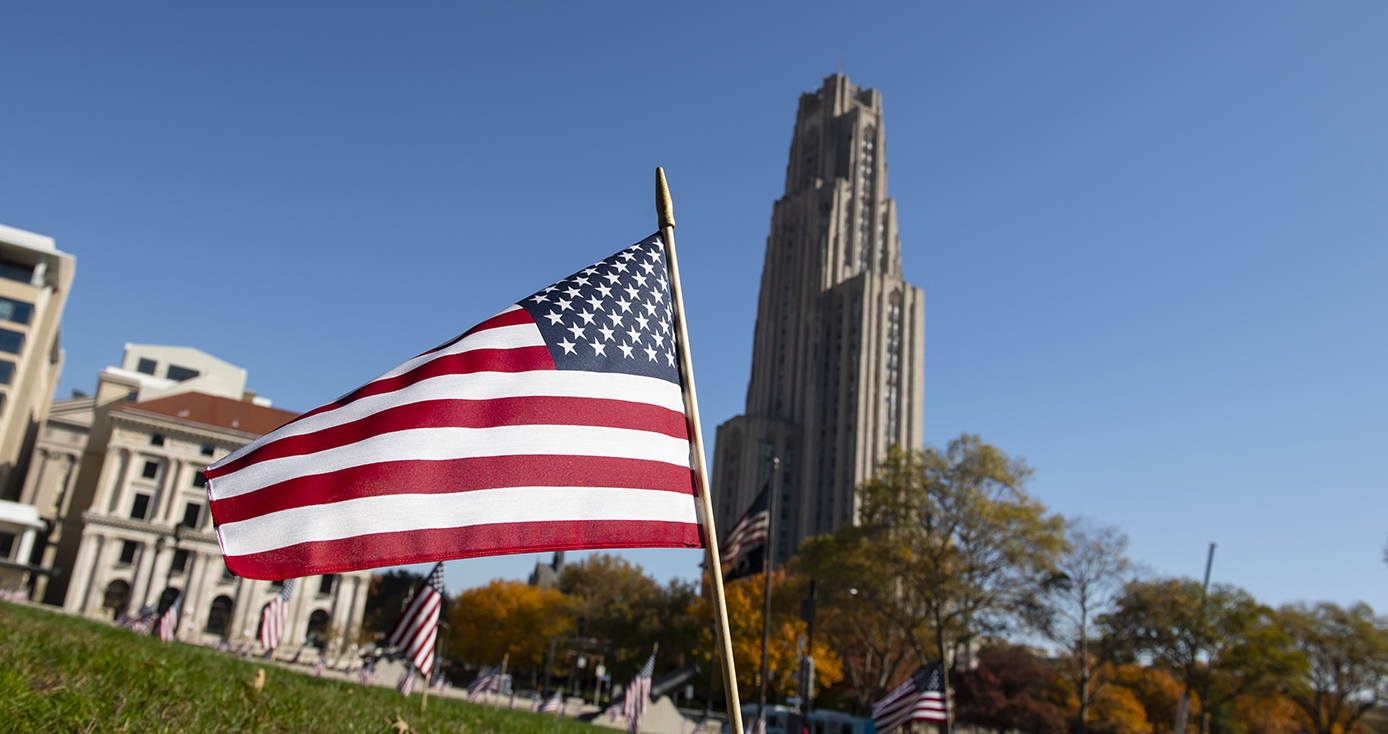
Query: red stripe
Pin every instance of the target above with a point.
(409, 617)
(516, 317)
(422, 546)
(454, 475)
(516, 411)
(519, 359)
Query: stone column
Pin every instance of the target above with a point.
(75, 602)
(114, 474)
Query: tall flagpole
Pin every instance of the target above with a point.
(665, 211)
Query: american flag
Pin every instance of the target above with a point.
(418, 626)
(637, 695)
(143, 621)
(487, 681)
(748, 535)
(759, 726)
(557, 424)
(554, 704)
(273, 618)
(405, 683)
(920, 698)
(168, 624)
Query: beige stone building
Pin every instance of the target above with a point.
(35, 278)
(133, 527)
(837, 373)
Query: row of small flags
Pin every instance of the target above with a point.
(272, 619)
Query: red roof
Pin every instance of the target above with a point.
(211, 410)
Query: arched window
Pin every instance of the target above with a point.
(219, 617)
(167, 599)
(117, 598)
(318, 629)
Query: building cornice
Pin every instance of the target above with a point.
(171, 424)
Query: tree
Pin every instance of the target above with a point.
(746, 604)
(1346, 656)
(963, 542)
(507, 617)
(1220, 647)
(614, 601)
(1009, 690)
(1088, 574)
(385, 599)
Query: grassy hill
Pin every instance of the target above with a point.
(60, 674)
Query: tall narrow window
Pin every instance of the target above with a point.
(893, 391)
(140, 508)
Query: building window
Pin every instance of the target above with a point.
(10, 270)
(6, 545)
(179, 374)
(11, 341)
(200, 480)
(208, 449)
(17, 312)
(132, 396)
(6, 372)
(157, 439)
(180, 562)
(140, 508)
(128, 549)
(192, 512)
(151, 470)
(146, 366)
(327, 584)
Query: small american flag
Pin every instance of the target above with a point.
(554, 704)
(920, 698)
(637, 695)
(418, 626)
(275, 615)
(557, 424)
(143, 621)
(759, 726)
(487, 680)
(405, 683)
(168, 623)
(747, 535)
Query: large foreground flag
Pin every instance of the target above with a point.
(557, 424)
(637, 695)
(920, 698)
(273, 617)
(418, 626)
(745, 545)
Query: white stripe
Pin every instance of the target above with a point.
(442, 444)
(404, 512)
(488, 386)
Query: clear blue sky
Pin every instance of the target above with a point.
(1151, 236)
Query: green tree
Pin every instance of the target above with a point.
(964, 543)
(1220, 647)
(1346, 655)
(1088, 576)
(612, 600)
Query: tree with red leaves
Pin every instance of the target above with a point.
(1009, 690)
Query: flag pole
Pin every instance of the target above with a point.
(665, 211)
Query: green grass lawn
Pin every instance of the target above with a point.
(60, 674)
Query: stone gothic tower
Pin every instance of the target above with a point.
(837, 371)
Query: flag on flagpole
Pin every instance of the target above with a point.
(418, 626)
(759, 726)
(637, 695)
(920, 698)
(487, 681)
(274, 616)
(557, 424)
(405, 683)
(744, 545)
(143, 621)
(168, 624)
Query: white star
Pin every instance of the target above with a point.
(576, 330)
(626, 254)
(621, 267)
(650, 352)
(642, 320)
(626, 349)
(598, 347)
(563, 304)
(605, 290)
(635, 336)
(581, 281)
(670, 356)
(553, 318)
(572, 291)
(648, 266)
(625, 304)
(660, 339)
(630, 291)
(587, 317)
(606, 332)
(568, 347)
(612, 277)
(595, 302)
(641, 280)
(616, 318)
(549, 289)
(539, 299)
(650, 308)
(590, 270)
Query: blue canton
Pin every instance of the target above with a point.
(612, 317)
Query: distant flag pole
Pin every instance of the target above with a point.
(665, 212)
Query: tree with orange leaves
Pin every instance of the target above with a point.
(507, 617)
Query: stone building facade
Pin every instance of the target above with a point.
(837, 373)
